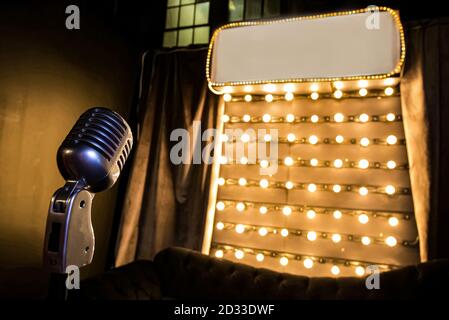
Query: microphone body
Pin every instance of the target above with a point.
(90, 159)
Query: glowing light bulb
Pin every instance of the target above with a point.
(289, 96)
(338, 163)
(314, 118)
(339, 139)
(335, 270)
(269, 87)
(242, 182)
(220, 206)
(248, 97)
(363, 191)
(311, 235)
(260, 257)
(363, 164)
(391, 241)
(239, 254)
(288, 161)
(287, 210)
(363, 218)
(313, 139)
(338, 94)
(311, 214)
(390, 189)
(308, 263)
(263, 232)
(363, 117)
(337, 214)
(390, 117)
(284, 233)
(314, 95)
(267, 137)
(225, 118)
(391, 164)
(220, 225)
(313, 162)
(240, 228)
(244, 160)
(227, 97)
(219, 253)
(363, 92)
(240, 206)
(224, 138)
(248, 88)
(360, 271)
(227, 89)
(336, 238)
(389, 91)
(393, 221)
(264, 163)
(314, 87)
(221, 181)
(289, 87)
(339, 117)
(290, 117)
(338, 85)
(269, 98)
(266, 118)
(245, 137)
(389, 81)
(223, 160)
(311, 187)
(264, 183)
(366, 241)
(246, 118)
(289, 185)
(362, 83)
(283, 261)
(391, 139)
(263, 210)
(364, 142)
(336, 188)
(291, 137)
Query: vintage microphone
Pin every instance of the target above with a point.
(90, 159)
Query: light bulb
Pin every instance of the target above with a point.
(393, 221)
(227, 97)
(264, 163)
(220, 225)
(363, 164)
(242, 182)
(311, 235)
(338, 163)
(314, 118)
(269, 87)
(240, 206)
(263, 232)
(269, 98)
(267, 137)
(313, 162)
(248, 88)
(225, 118)
(362, 83)
(239, 254)
(290, 117)
(391, 139)
(390, 189)
(389, 81)
(289, 185)
(221, 181)
(391, 241)
(335, 270)
(263, 210)
(287, 210)
(391, 117)
(219, 254)
(246, 118)
(260, 257)
(248, 97)
(284, 233)
(311, 187)
(336, 188)
(364, 142)
(338, 85)
(308, 263)
(366, 241)
(223, 160)
(289, 96)
(291, 137)
(363, 218)
(311, 214)
(245, 137)
(264, 183)
(244, 160)
(283, 261)
(224, 137)
(227, 89)
(313, 139)
(363, 191)
(220, 206)
(240, 228)
(336, 238)
(363, 117)
(337, 214)
(288, 161)
(314, 95)
(389, 91)
(363, 92)
(338, 94)
(314, 87)
(360, 271)
(339, 139)
(266, 118)
(339, 117)
(391, 164)
(289, 87)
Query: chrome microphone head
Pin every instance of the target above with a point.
(96, 149)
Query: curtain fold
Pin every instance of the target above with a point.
(165, 204)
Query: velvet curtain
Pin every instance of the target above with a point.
(165, 204)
